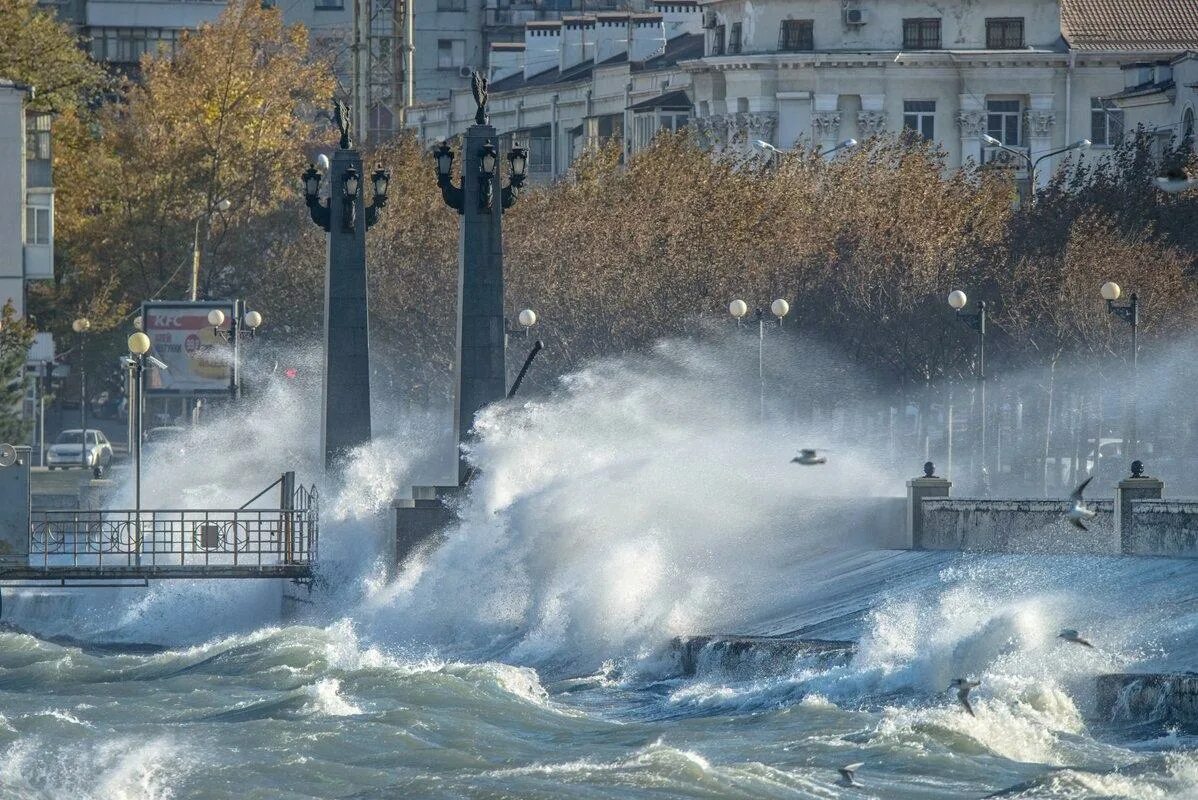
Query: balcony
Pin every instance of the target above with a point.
(516, 14)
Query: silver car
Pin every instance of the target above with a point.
(69, 451)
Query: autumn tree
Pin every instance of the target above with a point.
(16, 336)
(39, 51)
(224, 122)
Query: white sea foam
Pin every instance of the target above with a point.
(327, 699)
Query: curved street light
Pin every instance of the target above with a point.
(1080, 144)
(957, 301)
(779, 308)
(766, 147)
(81, 326)
(1129, 312)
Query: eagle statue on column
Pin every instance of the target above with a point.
(478, 86)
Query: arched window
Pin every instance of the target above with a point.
(1187, 127)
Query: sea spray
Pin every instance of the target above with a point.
(630, 506)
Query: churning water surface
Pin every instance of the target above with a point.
(528, 656)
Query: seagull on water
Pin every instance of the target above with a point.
(1071, 635)
(848, 773)
(1079, 511)
(809, 458)
(964, 686)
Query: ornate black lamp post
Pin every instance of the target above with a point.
(1129, 312)
(957, 300)
(481, 357)
(346, 413)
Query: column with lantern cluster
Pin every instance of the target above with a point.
(345, 413)
(481, 367)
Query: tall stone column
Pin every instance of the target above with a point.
(346, 402)
(481, 369)
(971, 120)
(825, 121)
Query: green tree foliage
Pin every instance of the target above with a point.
(16, 336)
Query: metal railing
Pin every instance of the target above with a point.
(248, 539)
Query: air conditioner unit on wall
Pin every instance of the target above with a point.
(465, 72)
(854, 16)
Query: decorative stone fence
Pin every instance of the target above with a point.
(1163, 528)
(1014, 526)
(1137, 522)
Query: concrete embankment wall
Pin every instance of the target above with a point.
(1161, 697)
(1014, 526)
(1163, 528)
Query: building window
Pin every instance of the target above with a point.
(920, 116)
(451, 5)
(1187, 128)
(646, 125)
(451, 53)
(37, 225)
(540, 154)
(797, 36)
(1004, 120)
(717, 41)
(128, 45)
(734, 38)
(1106, 122)
(1004, 33)
(37, 137)
(329, 5)
(921, 34)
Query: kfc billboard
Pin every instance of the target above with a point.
(200, 359)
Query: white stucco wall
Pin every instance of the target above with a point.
(12, 195)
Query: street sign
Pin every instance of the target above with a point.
(200, 360)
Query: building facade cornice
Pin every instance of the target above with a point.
(899, 59)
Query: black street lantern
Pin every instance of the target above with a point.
(349, 209)
(350, 181)
(380, 178)
(311, 178)
(444, 158)
(488, 159)
(518, 164)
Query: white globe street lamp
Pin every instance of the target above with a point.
(527, 318)
(738, 309)
(1111, 291)
(779, 308)
(957, 299)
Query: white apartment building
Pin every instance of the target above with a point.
(450, 38)
(577, 82)
(1034, 74)
(27, 209)
(1161, 96)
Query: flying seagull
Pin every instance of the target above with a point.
(848, 773)
(1071, 635)
(809, 458)
(964, 686)
(1079, 511)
